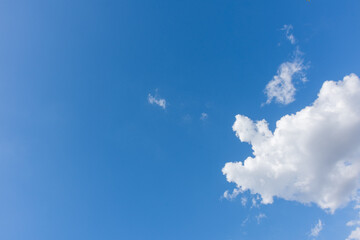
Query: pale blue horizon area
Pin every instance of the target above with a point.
(84, 155)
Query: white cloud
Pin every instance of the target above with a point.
(259, 217)
(352, 223)
(231, 196)
(243, 201)
(158, 101)
(317, 229)
(355, 235)
(313, 156)
(244, 221)
(288, 31)
(204, 116)
(281, 87)
(255, 202)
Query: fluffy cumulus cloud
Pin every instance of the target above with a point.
(315, 231)
(313, 156)
(158, 101)
(354, 235)
(281, 87)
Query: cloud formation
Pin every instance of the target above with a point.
(158, 101)
(353, 223)
(354, 235)
(281, 87)
(204, 116)
(313, 156)
(288, 31)
(233, 195)
(317, 229)
(259, 217)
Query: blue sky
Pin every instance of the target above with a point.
(86, 155)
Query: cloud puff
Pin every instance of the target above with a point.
(233, 195)
(317, 229)
(313, 156)
(204, 116)
(288, 31)
(259, 217)
(353, 223)
(158, 101)
(281, 87)
(355, 235)
(243, 201)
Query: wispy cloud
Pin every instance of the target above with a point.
(231, 196)
(353, 223)
(204, 116)
(288, 32)
(244, 221)
(243, 201)
(158, 101)
(260, 217)
(281, 87)
(254, 202)
(317, 229)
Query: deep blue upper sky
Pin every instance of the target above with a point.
(83, 155)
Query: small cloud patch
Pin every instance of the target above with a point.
(157, 101)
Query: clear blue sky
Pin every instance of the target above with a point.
(84, 155)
